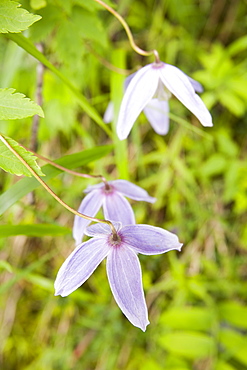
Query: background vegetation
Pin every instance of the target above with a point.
(197, 298)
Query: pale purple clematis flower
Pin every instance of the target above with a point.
(110, 196)
(123, 266)
(156, 82)
(157, 112)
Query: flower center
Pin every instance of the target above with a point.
(115, 240)
(108, 188)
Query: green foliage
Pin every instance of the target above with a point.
(33, 230)
(13, 18)
(72, 161)
(197, 298)
(15, 105)
(188, 344)
(11, 164)
(224, 77)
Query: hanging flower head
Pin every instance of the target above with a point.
(123, 266)
(110, 196)
(150, 89)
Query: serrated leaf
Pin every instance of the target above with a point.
(10, 163)
(24, 186)
(13, 18)
(16, 105)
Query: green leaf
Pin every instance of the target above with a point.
(24, 186)
(33, 230)
(10, 163)
(215, 165)
(4, 265)
(38, 4)
(41, 282)
(13, 106)
(234, 313)
(24, 43)
(235, 344)
(13, 18)
(222, 365)
(89, 26)
(188, 344)
(191, 318)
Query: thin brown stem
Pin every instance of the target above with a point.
(84, 175)
(128, 32)
(51, 192)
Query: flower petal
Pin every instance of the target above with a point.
(80, 265)
(180, 86)
(127, 80)
(117, 208)
(196, 85)
(94, 187)
(89, 206)
(157, 114)
(139, 92)
(109, 113)
(147, 239)
(102, 229)
(132, 191)
(124, 275)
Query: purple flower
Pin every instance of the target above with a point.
(152, 86)
(111, 198)
(123, 266)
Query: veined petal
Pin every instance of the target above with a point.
(124, 275)
(101, 229)
(89, 206)
(157, 113)
(117, 208)
(180, 86)
(132, 191)
(94, 187)
(80, 265)
(147, 239)
(139, 92)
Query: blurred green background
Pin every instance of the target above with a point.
(196, 298)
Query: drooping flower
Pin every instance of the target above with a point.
(154, 84)
(123, 266)
(110, 196)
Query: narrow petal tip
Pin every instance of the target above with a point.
(143, 326)
(59, 292)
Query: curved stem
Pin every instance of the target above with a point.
(51, 192)
(84, 175)
(128, 31)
